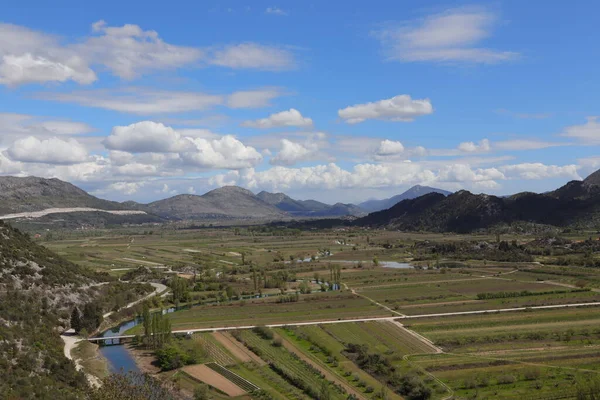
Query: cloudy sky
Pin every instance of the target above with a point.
(143, 100)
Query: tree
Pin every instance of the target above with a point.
(147, 322)
(229, 292)
(201, 393)
(376, 261)
(132, 386)
(91, 317)
(324, 393)
(76, 320)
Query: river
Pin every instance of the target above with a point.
(119, 359)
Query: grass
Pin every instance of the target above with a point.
(86, 354)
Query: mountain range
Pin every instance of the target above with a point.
(31, 194)
(576, 204)
(412, 193)
(309, 208)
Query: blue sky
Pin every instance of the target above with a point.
(338, 101)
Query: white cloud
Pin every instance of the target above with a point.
(8, 166)
(129, 51)
(191, 190)
(332, 176)
(147, 137)
(136, 170)
(540, 171)
(390, 148)
(224, 153)
(291, 117)
(398, 108)
(16, 126)
(254, 56)
(28, 56)
(464, 173)
(452, 36)
(253, 98)
(141, 101)
(276, 11)
(27, 68)
(526, 144)
(167, 190)
(587, 133)
(145, 101)
(472, 147)
(49, 151)
(127, 188)
(291, 153)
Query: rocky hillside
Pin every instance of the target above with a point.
(309, 208)
(577, 204)
(35, 194)
(35, 287)
(412, 193)
(225, 202)
(38, 291)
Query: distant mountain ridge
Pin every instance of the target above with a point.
(309, 208)
(412, 193)
(224, 202)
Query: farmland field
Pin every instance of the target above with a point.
(347, 325)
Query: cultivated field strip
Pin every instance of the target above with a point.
(238, 380)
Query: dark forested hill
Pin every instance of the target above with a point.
(576, 204)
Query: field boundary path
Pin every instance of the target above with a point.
(373, 301)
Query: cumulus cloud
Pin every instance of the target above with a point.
(587, 133)
(253, 56)
(399, 108)
(136, 170)
(128, 51)
(291, 153)
(147, 137)
(291, 117)
(541, 171)
(452, 36)
(224, 153)
(368, 175)
(28, 56)
(390, 148)
(49, 151)
(472, 147)
(127, 188)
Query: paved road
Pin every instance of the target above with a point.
(342, 321)
(158, 288)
